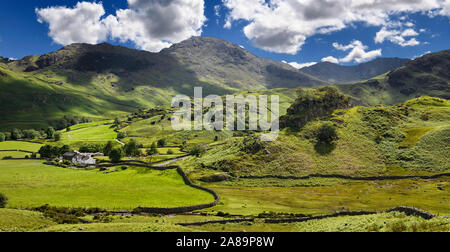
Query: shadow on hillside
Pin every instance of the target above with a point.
(324, 148)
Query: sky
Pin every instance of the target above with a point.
(299, 32)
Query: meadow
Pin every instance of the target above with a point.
(32, 184)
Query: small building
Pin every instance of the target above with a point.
(83, 159)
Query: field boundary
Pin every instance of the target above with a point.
(409, 211)
(337, 176)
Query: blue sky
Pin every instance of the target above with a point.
(409, 31)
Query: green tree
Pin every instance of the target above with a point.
(132, 148)
(50, 133)
(197, 150)
(117, 122)
(57, 136)
(121, 135)
(153, 149)
(2, 137)
(162, 142)
(116, 155)
(327, 133)
(16, 134)
(3, 200)
(108, 148)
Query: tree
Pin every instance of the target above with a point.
(121, 135)
(30, 134)
(197, 150)
(153, 149)
(117, 122)
(64, 149)
(91, 148)
(132, 148)
(16, 134)
(50, 133)
(108, 148)
(116, 155)
(3, 201)
(162, 142)
(2, 137)
(170, 152)
(48, 151)
(57, 136)
(327, 133)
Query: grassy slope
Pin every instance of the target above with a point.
(32, 184)
(371, 142)
(425, 76)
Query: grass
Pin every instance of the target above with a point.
(12, 220)
(13, 154)
(413, 136)
(316, 200)
(95, 133)
(19, 145)
(31, 184)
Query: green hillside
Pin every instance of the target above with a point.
(103, 81)
(425, 76)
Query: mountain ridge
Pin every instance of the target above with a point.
(336, 74)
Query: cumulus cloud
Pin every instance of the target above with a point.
(403, 38)
(151, 24)
(283, 26)
(330, 59)
(300, 65)
(79, 24)
(357, 52)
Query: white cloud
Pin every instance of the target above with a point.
(71, 25)
(151, 24)
(358, 52)
(300, 65)
(330, 59)
(397, 37)
(282, 26)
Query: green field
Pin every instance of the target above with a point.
(18, 145)
(32, 184)
(102, 133)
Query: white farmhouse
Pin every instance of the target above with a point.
(83, 159)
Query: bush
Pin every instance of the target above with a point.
(162, 142)
(197, 150)
(132, 148)
(108, 147)
(116, 155)
(57, 136)
(170, 152)
(153, 149)
(7, 157)
(121, 135)
(91, 148)
(3, 201)
(50, 133)
(327, 133)
(2, 137)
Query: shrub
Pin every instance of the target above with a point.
(50, 133)
(197, 150)
(132, 148)
(7, 157)
(153, 149)
(91, 148)
(121, 135)
(108, 147)
(3, 201)
(57, 136)
(116, 155)
(162, 142)
(170, 152)
(327, 133)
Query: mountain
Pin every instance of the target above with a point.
(105, 80)
(335, 73)
(428, 75)
(229, 65)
